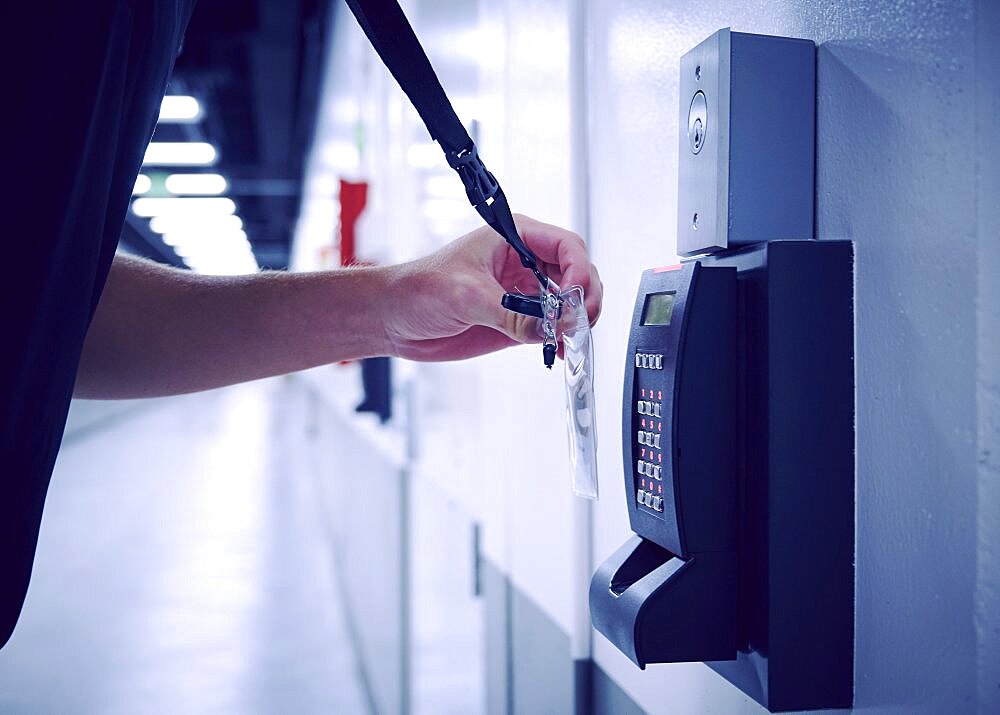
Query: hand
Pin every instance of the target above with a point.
(447, 304)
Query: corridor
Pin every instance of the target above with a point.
(183, 567)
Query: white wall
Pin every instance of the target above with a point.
(900, 134)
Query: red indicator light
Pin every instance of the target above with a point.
(659, 458)
(643, 451)
(659, 488)
(644, 423)
(659, 426)
(643, 391)
(643, 483)
(659, 394)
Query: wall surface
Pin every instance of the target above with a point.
(894, 173)
(988, 352)
(575, 109)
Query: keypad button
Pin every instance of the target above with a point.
(657, 471)
(641, 407)
(640, 496)
(641, 437)
(656, 408)
(659, 362)
(648, 500)
(637, 359)
(658, 503)
(656, 440)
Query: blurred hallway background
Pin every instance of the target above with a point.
(264, 548)
(185, 565)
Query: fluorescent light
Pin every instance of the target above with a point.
(225, 252)
(223, 268)
(179, 108)
(180, 223)
(206, 237)
(147, 207)
(219, 259)
(142, 184)
(180, 154)
(201, 184)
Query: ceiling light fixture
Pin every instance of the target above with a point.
(180, 154)
(149, 207)
(180, 223)
(197, 184)
(142, 184)
(180, 109)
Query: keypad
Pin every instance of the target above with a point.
(648, 469)
(649, 438)
(649, 361)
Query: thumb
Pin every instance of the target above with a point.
(484, 308)
(519, 327)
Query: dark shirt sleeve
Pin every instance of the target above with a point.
(81, 85)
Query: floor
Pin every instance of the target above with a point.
(183, 566)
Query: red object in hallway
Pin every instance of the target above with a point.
(353, 197)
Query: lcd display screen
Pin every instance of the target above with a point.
(658, 309)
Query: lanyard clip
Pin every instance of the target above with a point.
(548, 308)
(487, 197)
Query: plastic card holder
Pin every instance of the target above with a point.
(581, 422)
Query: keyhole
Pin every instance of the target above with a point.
(697, 128)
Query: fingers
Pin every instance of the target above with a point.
(478, 303)
(474, 298)
(522, 328)
(557, 246)
(593, 298)
(475, 341)
(565, 249)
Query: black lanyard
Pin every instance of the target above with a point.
(392, 37)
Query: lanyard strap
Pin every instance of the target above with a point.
(392, 37)
(389, 32)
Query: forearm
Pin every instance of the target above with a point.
(160, 331)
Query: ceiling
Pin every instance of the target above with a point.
(255, 68)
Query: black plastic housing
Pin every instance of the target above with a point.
(797, 474)
(779, 611)
(659, 608)
(670, 595)
(698, 380)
